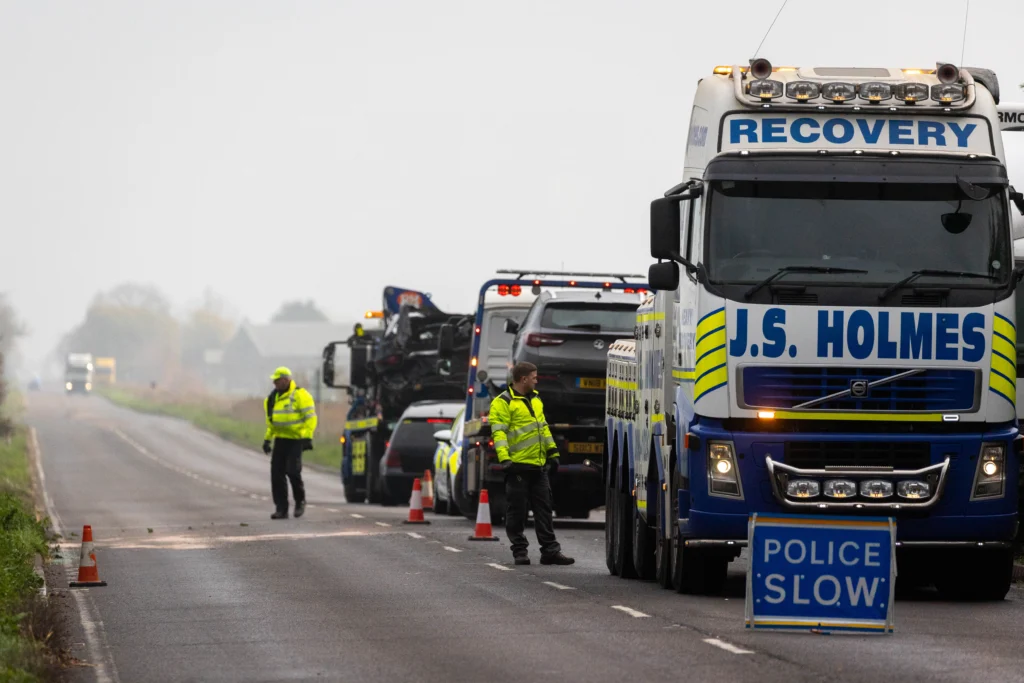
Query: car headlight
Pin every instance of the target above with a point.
(990, 474)
(723, 476)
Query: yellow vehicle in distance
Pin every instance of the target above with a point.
(105, 371)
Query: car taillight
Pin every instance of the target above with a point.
(438, 421)
(393, 460)
(535, 339)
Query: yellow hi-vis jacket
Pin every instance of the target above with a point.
(293, 415)
(519, 430)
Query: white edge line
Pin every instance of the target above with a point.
(558, 586)
(451, 549)
(499, 566)
(728, 647)
(92, 626)
(631, 612)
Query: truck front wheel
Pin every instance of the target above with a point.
(976, 575)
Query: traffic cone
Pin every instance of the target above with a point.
(416, 504)
(428, 491)
(88, 573)
(483, 531)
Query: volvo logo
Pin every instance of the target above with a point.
(598, 344)
(859, 388)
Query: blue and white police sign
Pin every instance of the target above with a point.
(816, 572)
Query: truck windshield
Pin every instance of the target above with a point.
(886, 230)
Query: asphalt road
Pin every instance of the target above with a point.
(203, 586)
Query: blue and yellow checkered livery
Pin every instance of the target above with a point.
(1002, 378)
(710, 370)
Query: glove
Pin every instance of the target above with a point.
(553, 464)
(506, 466)
(307, 444)
(266, 447)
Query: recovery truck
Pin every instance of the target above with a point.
(390, 368)
(833, 330)
(581, 442)
(78, 371)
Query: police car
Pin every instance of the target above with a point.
(446, 466)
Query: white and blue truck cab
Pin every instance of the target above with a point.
(833, 330)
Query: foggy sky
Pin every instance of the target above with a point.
(263, 149)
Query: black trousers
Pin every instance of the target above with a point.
(286, 461)
(527, 487)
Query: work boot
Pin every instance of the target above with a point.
(557, 558)
(279, 514)
(300, 508)
(521, 559)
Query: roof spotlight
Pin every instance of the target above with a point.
(947, 73)
(760, 68)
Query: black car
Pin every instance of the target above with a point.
(410, 449)
(566, 335)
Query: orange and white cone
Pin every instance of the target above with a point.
(88, 572)
(483, 531)
(416, 504)
(428, 491)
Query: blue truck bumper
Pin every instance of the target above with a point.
(953, 517)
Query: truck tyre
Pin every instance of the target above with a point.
(980, 575)
(624, 536)
(698, 571)
(353, 494)
(609, 531)
(664, 553)
(643, 546)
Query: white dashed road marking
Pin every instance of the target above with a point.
(728, 647)
(358, 516)
(558, 586)
(382, 524)
(630, 611)
(451, 549)
(499, 566)
(413, 534)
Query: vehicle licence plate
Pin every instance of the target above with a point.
(588, 448)
(590, 382)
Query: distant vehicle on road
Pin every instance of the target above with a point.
(78, 370)
(410, 450)
(105, 370)
(35, 384)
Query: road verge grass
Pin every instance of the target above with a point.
(28, 621)
(220, 417)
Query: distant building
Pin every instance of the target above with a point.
(255, 350)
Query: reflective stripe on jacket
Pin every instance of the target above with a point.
(293, 415)
(519, 429)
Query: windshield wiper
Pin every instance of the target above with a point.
(786, 270)
(931, 271)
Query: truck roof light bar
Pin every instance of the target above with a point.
(522, 273)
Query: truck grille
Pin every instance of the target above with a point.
(933, 390)
(899, 455)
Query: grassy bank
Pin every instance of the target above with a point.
(239, 421)
(27, 620)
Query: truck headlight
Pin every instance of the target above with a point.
(723, 477)
(990, 475)
(69, 386)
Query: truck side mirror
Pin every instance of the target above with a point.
(445, 341)
(664, 276)
(511, 326)
(327, 369)
(666, 224)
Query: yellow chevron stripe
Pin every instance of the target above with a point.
(710, 381)
(709, 342)
(713, 359)
(1003, 327)
(1000, 364)
(1001, 386)
(1004, 347)
(710, 323)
